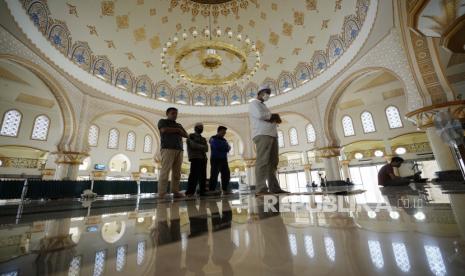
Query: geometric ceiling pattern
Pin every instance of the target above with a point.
(120, 42)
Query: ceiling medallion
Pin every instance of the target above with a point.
(210, 58)
(211, 7)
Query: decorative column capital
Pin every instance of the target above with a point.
(135, 175)
(345, 162)
(70, 157)
(249, 163)
(99, 175)
(424, 117)
(329, 152)
(307, 167)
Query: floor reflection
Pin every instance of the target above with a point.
(417, 235)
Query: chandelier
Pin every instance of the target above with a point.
(210, 57)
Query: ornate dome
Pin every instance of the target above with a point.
(121, 43)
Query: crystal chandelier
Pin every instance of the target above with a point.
(210, 57)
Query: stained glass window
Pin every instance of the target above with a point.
(393, 117)
(75, 266)
(40, 129)
(280, 139)
(293, 138)
(311, 135)
(375, 252)
(11, 122)
(113, 138)
(99, 265)
(330, 248)
(309, 246)
(140, 252)
(92, 137)
(131, 141)
(348, 126)
(11, 273)
(367, 122)
(435, 260)
(120, 257)
(401, 256)
(148, 144)
(293, 244)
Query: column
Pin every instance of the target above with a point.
(68, 164)
(424, 119)
(48, 174)
(332, 169)
(345, 169)
(56, 248)
(157, 170)
(249, 174)
(330, 158)
(308, 173)
(442, 151)
(99, 175)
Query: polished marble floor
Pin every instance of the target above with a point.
(399, 231)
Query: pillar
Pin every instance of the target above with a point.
(424, 119)
(249, 174)
(330, 157)
(345, 169)
(442, 151)
(332, 169)
(157, 169)
(308, 173)
(68, 164)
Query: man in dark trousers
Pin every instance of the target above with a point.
(197, 148)
(219, 160)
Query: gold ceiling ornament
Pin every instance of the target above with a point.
(223, 57)
(214, 8)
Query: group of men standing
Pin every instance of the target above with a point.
(264, 135)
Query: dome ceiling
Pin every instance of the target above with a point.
(121, 41)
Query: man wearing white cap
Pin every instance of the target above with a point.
(197, 148)
(265, 136)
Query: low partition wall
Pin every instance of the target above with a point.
(56, 189)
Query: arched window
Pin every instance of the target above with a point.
(293, 138)
(280, 139)
(311, 135)
(40, 128)
(393, 117)
(113, 138)
(367, 122)
(140, 252)
(131, 141)
(92, 137)
(348, 126)
(148, 144)
(121, 252)
(376, 254)
(401, 256)
(11, 122)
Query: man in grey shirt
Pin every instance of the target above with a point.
(171, 153)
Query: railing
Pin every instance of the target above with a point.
(21, 163)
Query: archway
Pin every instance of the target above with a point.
(363, 88)
(67, 114)
(119, 163)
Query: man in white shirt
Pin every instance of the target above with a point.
(265, 137)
